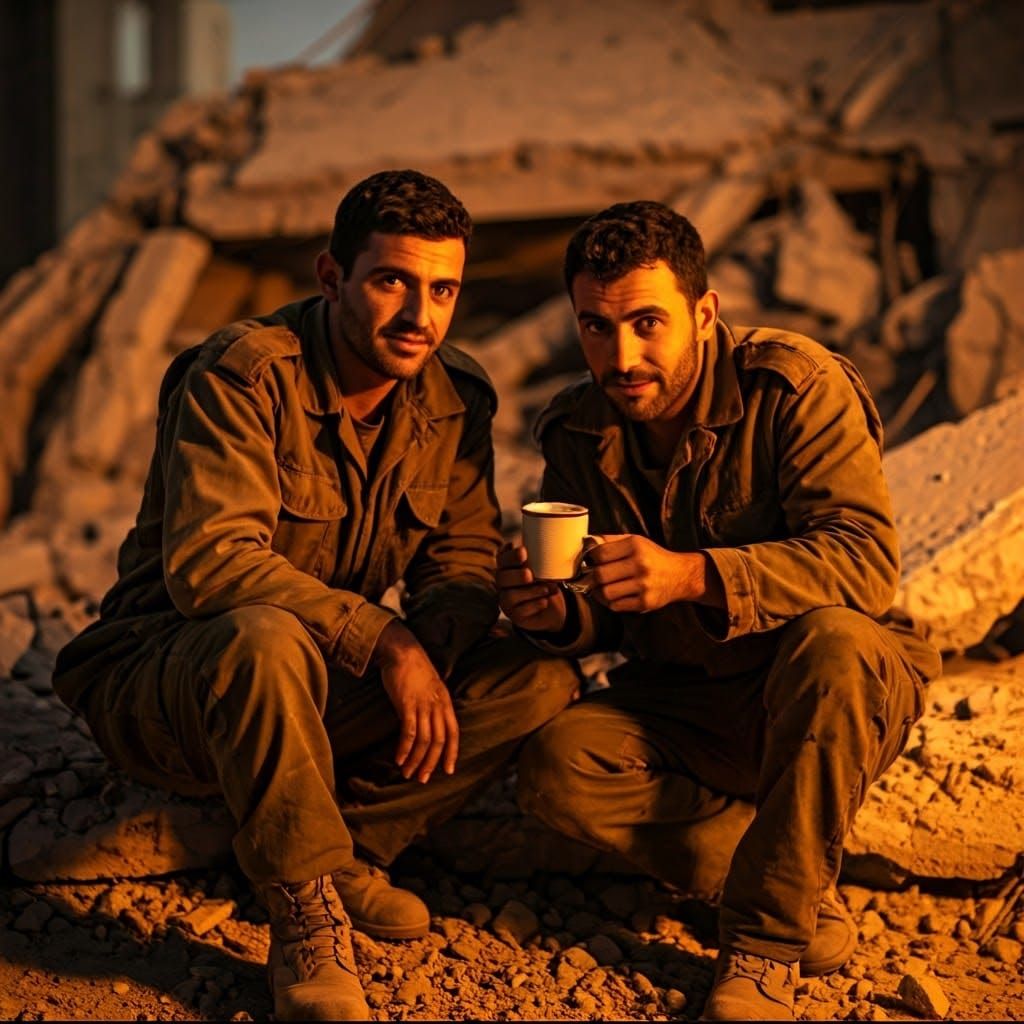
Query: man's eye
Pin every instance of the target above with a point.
(443, 291)
(391, 281)
(595, 327)
(648, 324)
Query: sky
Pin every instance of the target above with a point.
(267, 32)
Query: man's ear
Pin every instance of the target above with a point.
(329, 274)
(705, 313)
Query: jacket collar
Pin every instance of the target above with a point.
(430, 393)
(717, 399)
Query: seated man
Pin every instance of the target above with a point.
(747, 563)
(305, 462)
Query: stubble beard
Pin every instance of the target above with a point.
(371, 346)
(645, 408)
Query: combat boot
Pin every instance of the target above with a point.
(311, 967)
(835, 937)
(378, 908)
(751, 987)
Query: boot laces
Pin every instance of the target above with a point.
(759, 969)
(319, 921)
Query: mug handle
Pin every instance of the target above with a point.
(580, 583)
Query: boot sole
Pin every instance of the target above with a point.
(390, 931)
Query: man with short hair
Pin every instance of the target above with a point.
(306, 462)
(746, 567)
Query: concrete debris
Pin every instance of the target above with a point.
(985, 342)
(924, 996)
(958, 495)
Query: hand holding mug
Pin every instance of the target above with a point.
(531, 604)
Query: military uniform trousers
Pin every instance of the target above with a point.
(243, 704)
(641, 767)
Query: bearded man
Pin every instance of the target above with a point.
(747, 565)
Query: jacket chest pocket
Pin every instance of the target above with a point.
(745, 520)
(312, 507)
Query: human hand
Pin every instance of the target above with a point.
(530, 604)
(428, 728)
(630, 573)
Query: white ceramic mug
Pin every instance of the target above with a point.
(553, 534)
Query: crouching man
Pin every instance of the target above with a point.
(305, 462)
(747, 565)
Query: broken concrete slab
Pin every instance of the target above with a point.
(130, 335)
(822, 264)
(930, 815)
(958, 497)
(985, 341)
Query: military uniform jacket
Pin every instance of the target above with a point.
(258, 493)
(777, 479)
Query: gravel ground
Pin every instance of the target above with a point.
(192, 946)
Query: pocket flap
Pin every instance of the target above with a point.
(309, 495)
(427, 503)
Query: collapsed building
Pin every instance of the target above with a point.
(856, 174)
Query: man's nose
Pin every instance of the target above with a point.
(417, 307)
(625, 350)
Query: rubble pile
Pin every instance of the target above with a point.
(856, 173)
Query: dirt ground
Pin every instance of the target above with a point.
(191, 947)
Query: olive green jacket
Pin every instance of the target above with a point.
(777, 479)
(258, 494)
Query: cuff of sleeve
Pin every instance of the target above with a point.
(356, 641)
(740, 613)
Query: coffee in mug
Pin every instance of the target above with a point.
(553, 534)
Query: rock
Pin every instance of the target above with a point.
(871, 925)
(516, 923)
(208, 915)
(120, 988)
(24, 565)
(414, 989)
(924, 996)
(918, 319)
(149, 835)
(620, 898)
(821, 262)
(604, 950)
(478, 914)
(579, 959)
(958, 497)
(1006, 950)
(985, 341)
(34, 917)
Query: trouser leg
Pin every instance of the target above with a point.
(235, 703)
(502, 690)
(619, 771)
(839, 702)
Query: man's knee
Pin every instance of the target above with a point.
(554, 771)
(259, 648)
(831, 657)
(516, 687)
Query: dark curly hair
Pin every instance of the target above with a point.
(628, 236)
(395, 203)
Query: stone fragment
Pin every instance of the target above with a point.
(821, 262)
(24, 564)
(16, 631)
(516, 923)
(1004, 949)
(604, 950)
(985, 341)
(34, 917)
(414, 989)
(918, 319)
(620, 898)
(120, 988)
(958, 497)
(208, 915)
(579, 959)
(924, 996)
